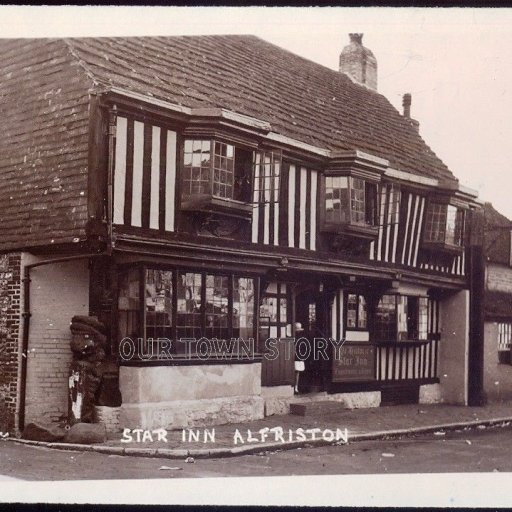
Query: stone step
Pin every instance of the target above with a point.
(316, 407)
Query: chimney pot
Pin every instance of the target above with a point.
(356, 38)
(406, 103)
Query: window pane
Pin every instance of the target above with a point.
(188, 293)
(362, 320)
(242, 190)
(129, 305)
(311, 316)
(223, 178)
(267, 170)
(196, 167)
(435, 228)
(370, 203)
(504, 336)
(385, 318)
(403, 311)
(283, 310)
(336, 199)
(351, 310)
(243, 308)
(357, 201)
(217, 307)
(268, 309)
(454, 225)
(158, 305)
(423, 318)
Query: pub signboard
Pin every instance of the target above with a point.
(354, 363)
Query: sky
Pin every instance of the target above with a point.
(456, 63)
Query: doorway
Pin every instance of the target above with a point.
(311, 311)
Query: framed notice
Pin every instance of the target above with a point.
(354, 363)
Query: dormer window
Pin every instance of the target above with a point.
(444, 226)
(349, 202)
(216, 176)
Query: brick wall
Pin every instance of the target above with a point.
(10, 288)
(57, 293)
(499, 278)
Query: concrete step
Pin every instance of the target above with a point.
(316, 407)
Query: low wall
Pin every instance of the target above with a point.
(189, 395)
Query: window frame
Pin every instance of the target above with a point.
(368, 317)
(351, 225)
(210, 201)
(504, 342)
(396, 336)
(459, 227)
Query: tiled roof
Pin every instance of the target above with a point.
(498, 305)
(497, 229)
(301, 99)
(43, 144)
(44, 86)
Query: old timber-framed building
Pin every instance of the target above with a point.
(222, 187)
(497, 305)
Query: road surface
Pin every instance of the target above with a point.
(479, 450)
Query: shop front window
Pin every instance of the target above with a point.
(401, 318)
(181, 305)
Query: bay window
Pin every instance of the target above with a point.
(444, 226)
(176, 305)
(349, 204)
(216, 174)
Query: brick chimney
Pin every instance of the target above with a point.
(359, 63)
(406, 103)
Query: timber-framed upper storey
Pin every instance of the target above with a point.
(224, 179)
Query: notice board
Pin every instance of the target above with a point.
(354, 363)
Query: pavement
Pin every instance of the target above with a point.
(291, 431)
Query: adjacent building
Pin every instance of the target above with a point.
(498, 305)
(221, 188)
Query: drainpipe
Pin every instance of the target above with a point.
(112, 119)
(26, 323)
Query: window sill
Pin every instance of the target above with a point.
(405, 343)
(443, 247)
(351, 229)
(212, 204)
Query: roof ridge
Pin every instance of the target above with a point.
(88, 71)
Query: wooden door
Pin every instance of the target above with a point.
(278, 352)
